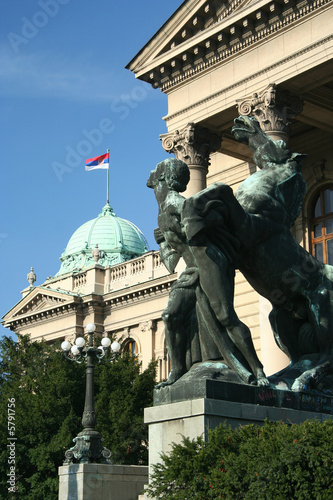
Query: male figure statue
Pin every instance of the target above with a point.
(183, 234)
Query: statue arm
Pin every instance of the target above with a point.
(169, 256)
(250, 229)
(239, 221)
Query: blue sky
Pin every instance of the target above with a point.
(66, 96)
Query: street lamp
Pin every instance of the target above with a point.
(88, 443)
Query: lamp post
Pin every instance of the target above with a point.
(88, 443)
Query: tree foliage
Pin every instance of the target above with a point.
(48, 391)
(273, 462)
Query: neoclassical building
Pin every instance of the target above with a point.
(213, 60)
(108, 277)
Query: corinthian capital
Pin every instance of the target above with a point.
(193, 144)
(273, 108)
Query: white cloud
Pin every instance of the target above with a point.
(47, 74)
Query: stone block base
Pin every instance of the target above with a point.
(192, 409)
(101, 482)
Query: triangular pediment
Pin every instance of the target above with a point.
(38, 300)
(192, 20)
(201, 33)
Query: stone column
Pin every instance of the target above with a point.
(273, 108)
(193, 145)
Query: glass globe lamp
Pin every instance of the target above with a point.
(106, 342)
(91, 327)
(80, 342)
(65, 346)
(115, 346)
(75, 350)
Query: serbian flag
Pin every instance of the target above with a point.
(98, 162)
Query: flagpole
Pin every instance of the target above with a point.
(107, 180)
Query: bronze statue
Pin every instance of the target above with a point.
(215, 232)
(298, 286)
(188, 228)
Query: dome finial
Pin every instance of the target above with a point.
(107, 209)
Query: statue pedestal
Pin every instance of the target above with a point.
(191, 409)
(101, 481)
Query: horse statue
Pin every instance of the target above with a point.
(299, 287)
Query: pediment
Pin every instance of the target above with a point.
(202, 33)
(37, 301)
(41, 302)
(200, 21)
(191, 20)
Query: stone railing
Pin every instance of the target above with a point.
(148, 266)
(138, 266)
(118, 272)
(80, 280)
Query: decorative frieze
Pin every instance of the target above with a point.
(273, 108)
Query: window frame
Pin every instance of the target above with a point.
(322, 218)
(128, 347)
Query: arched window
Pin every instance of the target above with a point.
(131, 347)
(322, 226)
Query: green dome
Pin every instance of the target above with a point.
(116, 240)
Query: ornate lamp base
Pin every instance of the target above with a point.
(88, 449)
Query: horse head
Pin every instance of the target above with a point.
(247, 129)
(266, 151)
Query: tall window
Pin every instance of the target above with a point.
(131, 347)
(322, 226)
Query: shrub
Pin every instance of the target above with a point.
(272, 462)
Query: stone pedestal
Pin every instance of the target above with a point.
(192, 409)
(101, 482)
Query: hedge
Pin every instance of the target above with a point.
(274, 462)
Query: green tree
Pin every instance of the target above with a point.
(48, 394)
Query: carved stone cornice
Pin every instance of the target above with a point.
(224, 39)
(273, 108)
(247, 79)
(193, 144)
(140, 293)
